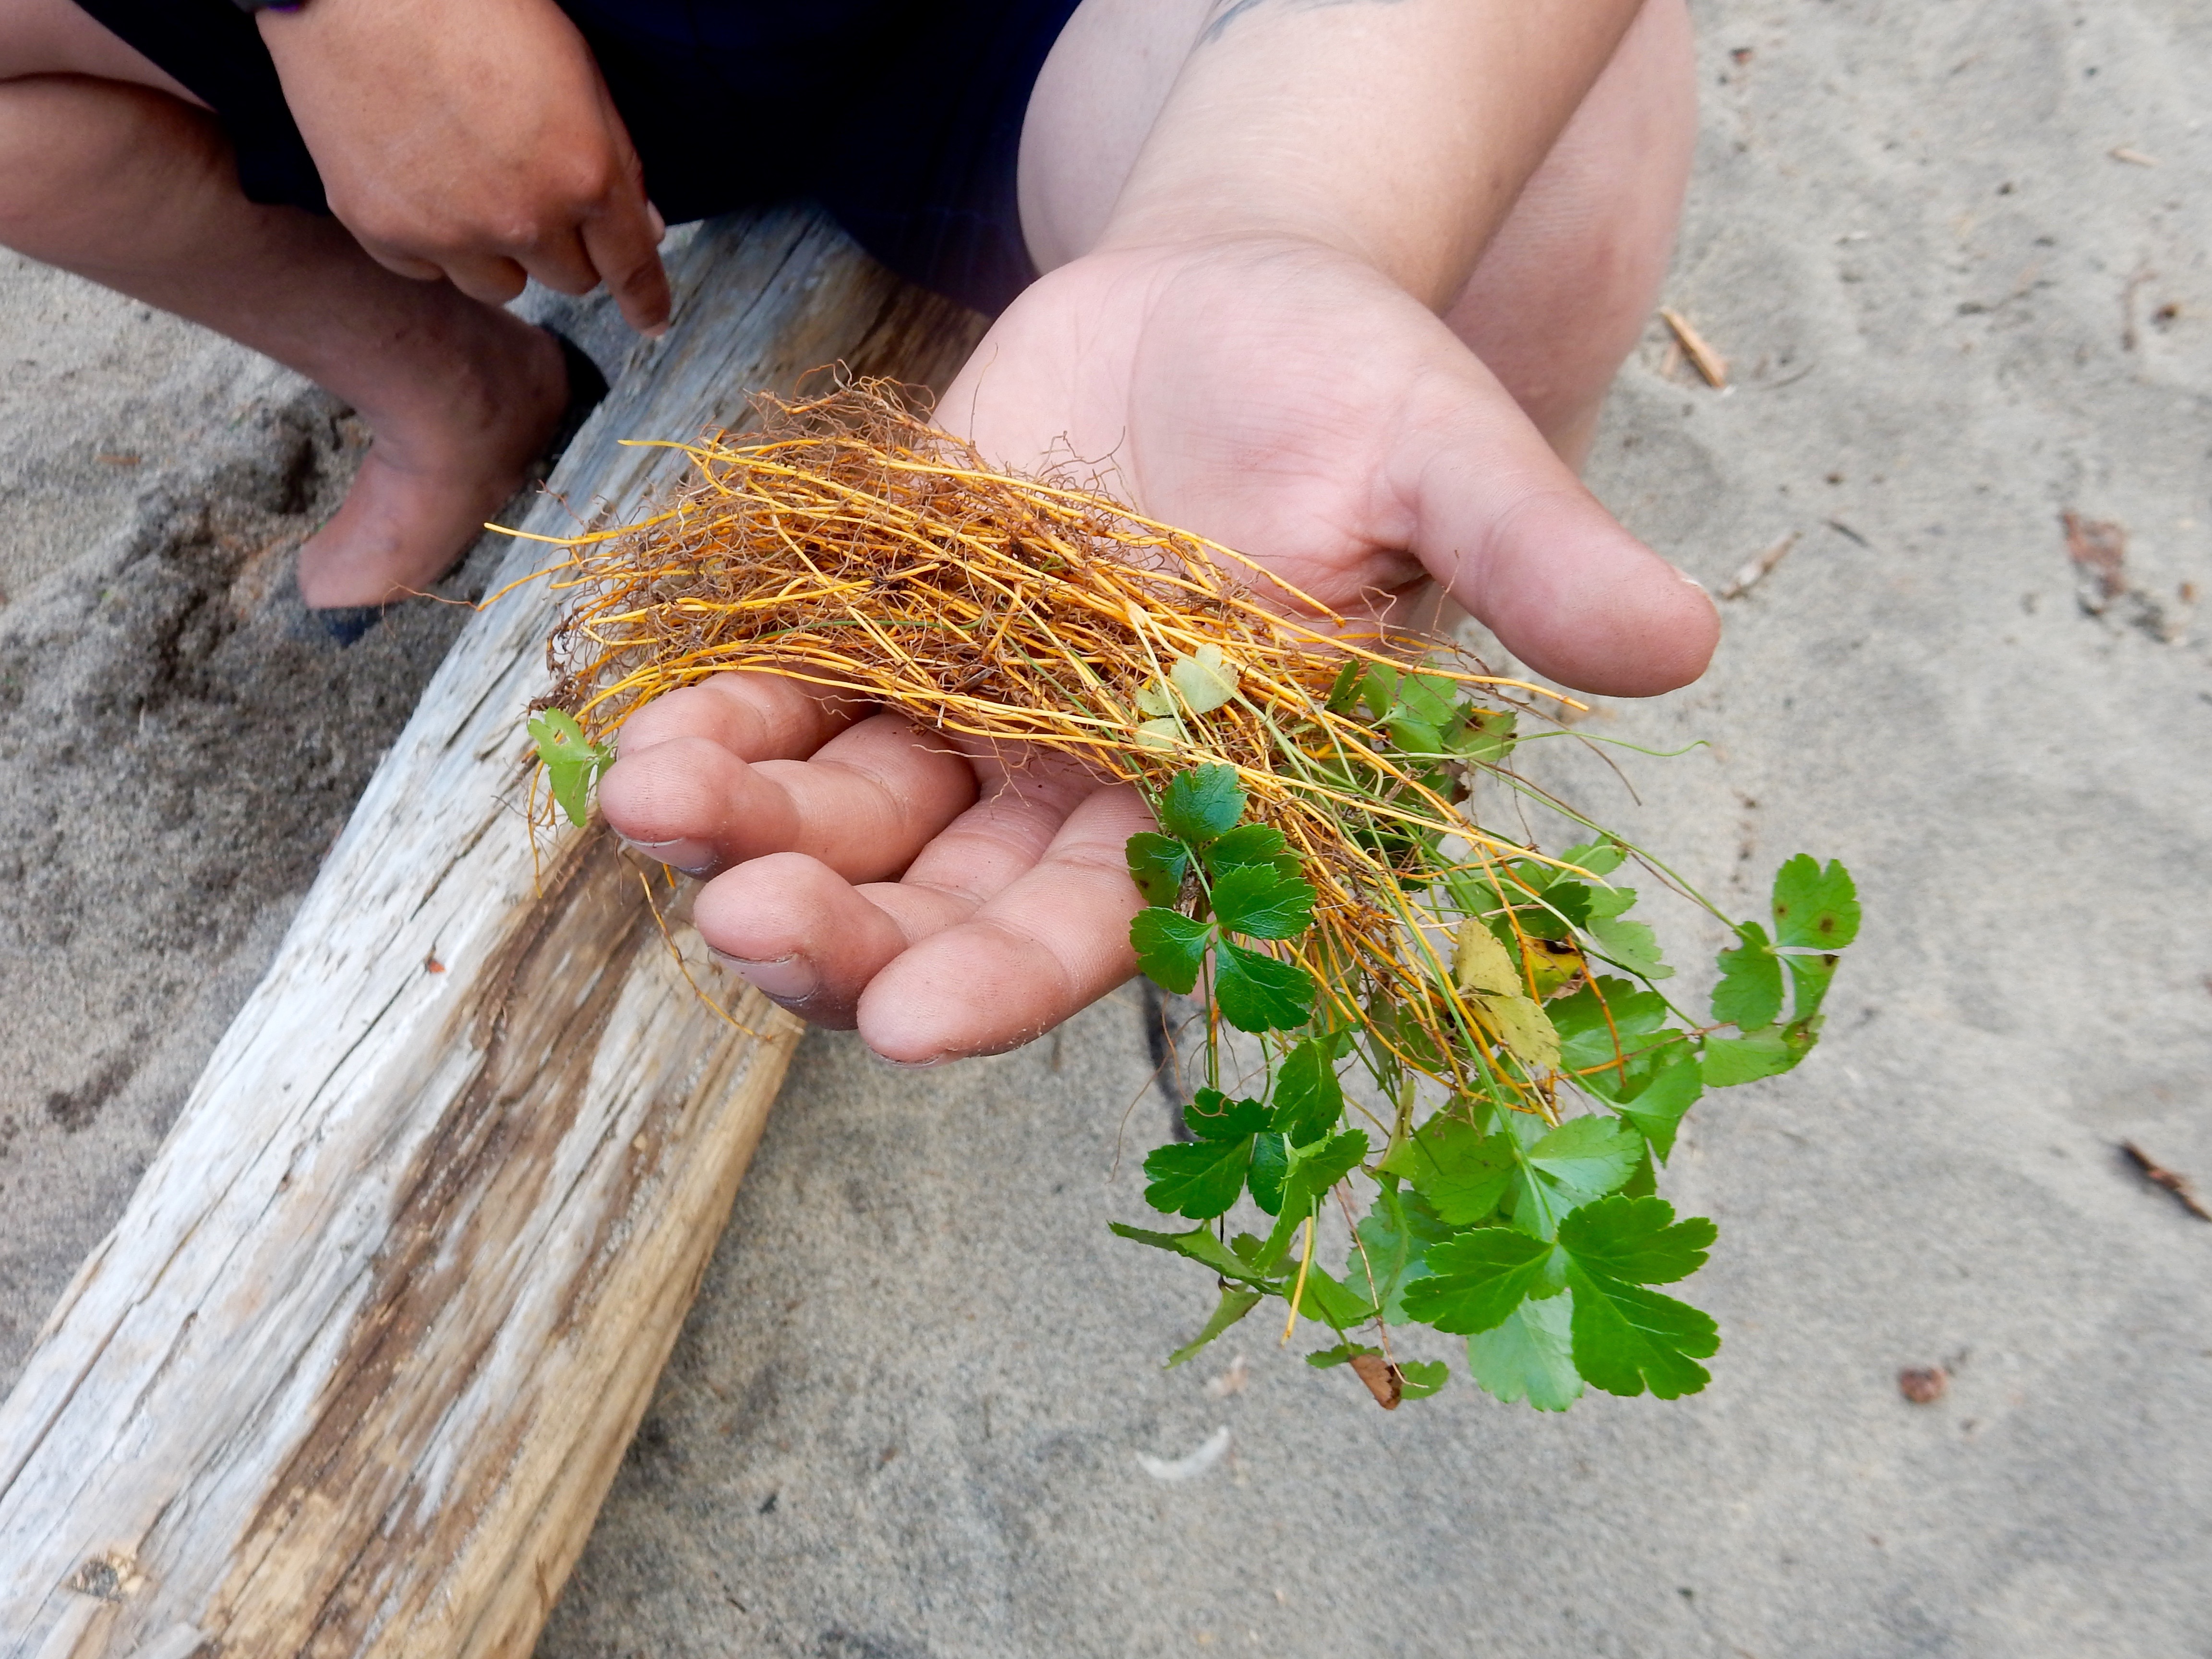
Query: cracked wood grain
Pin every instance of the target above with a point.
(356, 1368)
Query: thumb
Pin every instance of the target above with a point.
(1507, 528)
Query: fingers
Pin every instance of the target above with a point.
(756, 717)
(1503, 524)
(865, 804)
(486, 277)
(1014, 918)
(623, 242)
(627, 259)
(1054, 941)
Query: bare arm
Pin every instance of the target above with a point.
(1399, 132)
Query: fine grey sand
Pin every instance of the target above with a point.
(906, 1416)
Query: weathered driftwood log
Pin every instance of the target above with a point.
(353, 1372)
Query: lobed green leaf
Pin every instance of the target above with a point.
(1476, 1278)
(1420, 1379)
(1749, 994)
(1255, 992)
(1170, 946)
(1201, 805)
(1815, 908)
(1307, 1098)
(1158, 864)
(1200, 1179)
(1256, 901)
(1529, 1355)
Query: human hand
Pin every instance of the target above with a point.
(478, 145)
(1276, 398)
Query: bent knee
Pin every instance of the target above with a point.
(64, 141)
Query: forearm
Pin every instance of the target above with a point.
(1398, 131)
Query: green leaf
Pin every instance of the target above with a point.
(1199, 1245)
(1158, 864)
(1254, 901)
(1749, 994)
(1461, 1172)
(1588, 1156)
(1255, 992)
(1626, 1337)
(1420, 1379)
(1602, 903)
(1529, 1355)
(1476, 1278)
(1202, 804)
(1601, 857)
(1345, 690)
(1808, 978)
(1235, 1302)
(1394, 1236)
(1211, 1115)
(1644, 1183)
(1627, 1340)
(1258, 844)
(1169, 946)
(573, 763)
(1343, 1353)
(1763, 1053)
(1672, 1086)
(1313, 1170)
(1431, 699)
(1379, 686)
(1563, 902)
(1271, 1161)
(1814, 908)
(1630, 944)
(1637, 1240)
(1413, 737)
(1587, 1036)
(1200, 1179)
(1485, 736)
(1325, 1299)
(1309, 1099)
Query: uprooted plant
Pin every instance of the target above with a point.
(1517, 1073)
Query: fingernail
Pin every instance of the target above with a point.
(907, 1065)
(693, 858)
(786, 980)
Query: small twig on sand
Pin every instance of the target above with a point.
(1709, 363)
(1755, 570)
(2158, 1175)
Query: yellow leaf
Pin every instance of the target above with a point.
(1156, 701)
(1206, 681)
(1483, 968)
(1481, 963)
(1159, 734)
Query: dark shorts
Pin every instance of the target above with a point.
(902, 116)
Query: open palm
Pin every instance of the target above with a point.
(1277, 398)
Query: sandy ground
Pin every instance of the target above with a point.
(906, 1415)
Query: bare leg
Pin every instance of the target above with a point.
(106, 170)
(1560, 296)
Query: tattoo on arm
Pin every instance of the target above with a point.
(1225, 12)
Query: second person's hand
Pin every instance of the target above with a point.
(475, 143)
